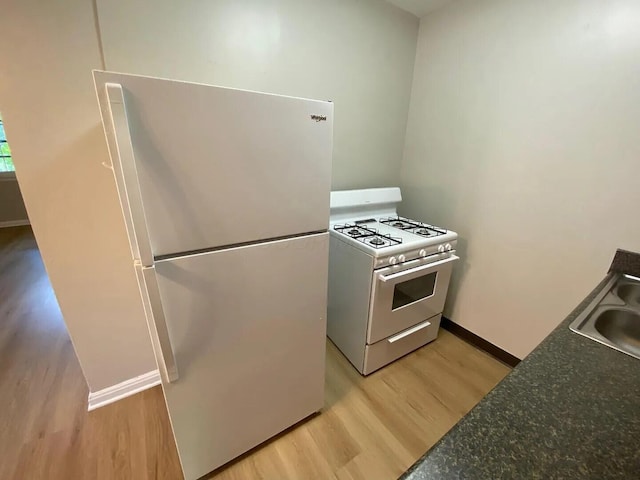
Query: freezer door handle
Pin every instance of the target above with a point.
(124, 167)
(158, 329)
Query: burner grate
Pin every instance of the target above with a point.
(368, 236)
(354, 230)
(381, 240)
(418, 228)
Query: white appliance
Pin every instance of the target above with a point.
(225, 196)
(388, 278)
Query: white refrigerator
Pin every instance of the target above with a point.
(225, 197)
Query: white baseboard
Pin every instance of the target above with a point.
(14, 223)
(125, 389)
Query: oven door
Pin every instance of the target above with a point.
(408, 294)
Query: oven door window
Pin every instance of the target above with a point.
(414, 290)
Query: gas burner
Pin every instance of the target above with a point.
(380, 240)
(354, 231)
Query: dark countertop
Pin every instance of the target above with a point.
(570, 410)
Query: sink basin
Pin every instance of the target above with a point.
(621, 327)
(613, 317)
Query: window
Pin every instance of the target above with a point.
(6, 162)
(411, 291)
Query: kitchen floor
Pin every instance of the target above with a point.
(370, 428)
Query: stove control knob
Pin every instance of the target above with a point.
(441, 248)
(401, 258)
(393, 261)
(423, 253)
(448, 247)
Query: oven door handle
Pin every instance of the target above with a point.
(421, 268)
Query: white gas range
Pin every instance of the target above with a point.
(388, 278)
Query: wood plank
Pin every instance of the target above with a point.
(370, 428)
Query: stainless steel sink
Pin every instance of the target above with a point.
(613, 317)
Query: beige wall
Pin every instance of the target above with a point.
(12, 209)
(523, 137)
(358, 53)
(51, 116)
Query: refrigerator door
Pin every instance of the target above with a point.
(247, 325)
(218, 166)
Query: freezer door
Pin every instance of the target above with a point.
(247, 326)
(219, 166)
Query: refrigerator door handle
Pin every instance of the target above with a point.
(157, 324)
(124, 166)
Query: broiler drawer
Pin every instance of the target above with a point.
(391, 348)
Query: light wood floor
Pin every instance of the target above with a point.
(370, 428)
